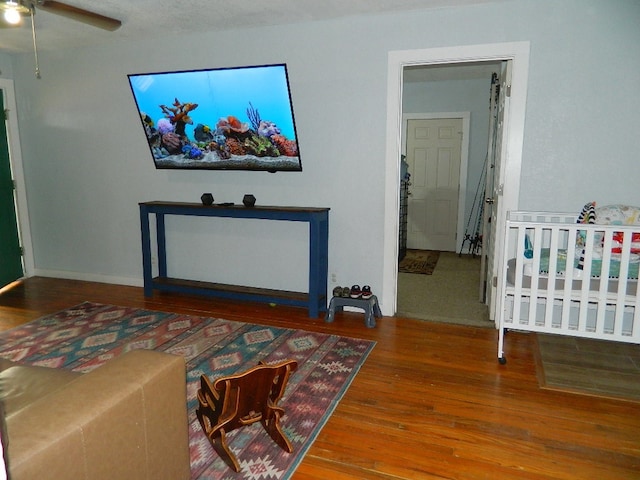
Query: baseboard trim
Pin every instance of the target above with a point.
(89, 277)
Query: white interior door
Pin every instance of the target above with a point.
(487, 211)
(498, 211)
(433, 155)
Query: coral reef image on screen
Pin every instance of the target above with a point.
(229, 118)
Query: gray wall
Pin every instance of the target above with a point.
(6, 69)
(87, 165)
(470, 95)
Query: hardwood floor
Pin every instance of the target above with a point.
(431, 401)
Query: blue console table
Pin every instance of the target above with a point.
(318, 218)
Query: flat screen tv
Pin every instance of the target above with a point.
(238, 118)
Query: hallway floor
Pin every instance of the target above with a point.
(450, 294)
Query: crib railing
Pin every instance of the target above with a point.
(567, 278)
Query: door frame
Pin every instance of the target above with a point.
(518, 52)
(15, 158)
(464, 158)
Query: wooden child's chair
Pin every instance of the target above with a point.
(238, 400)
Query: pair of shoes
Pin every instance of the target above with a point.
(342, 292)
(366, 292)
(346, 292)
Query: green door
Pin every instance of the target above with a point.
(10, 251)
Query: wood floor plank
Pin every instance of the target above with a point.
(430, 402)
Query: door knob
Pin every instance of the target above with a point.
(489, 200)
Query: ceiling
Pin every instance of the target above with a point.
(148, 18)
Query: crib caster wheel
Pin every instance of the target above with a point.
(502, 360)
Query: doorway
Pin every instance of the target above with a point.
(440, 182)
(10, 251)
(509, 181)
(14, 204)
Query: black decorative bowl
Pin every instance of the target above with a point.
(207, 199)
(249, 200)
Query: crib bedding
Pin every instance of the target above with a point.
(596, 263)
(576, 284)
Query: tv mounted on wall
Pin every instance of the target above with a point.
(238, 118)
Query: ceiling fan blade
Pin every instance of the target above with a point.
(79, 14)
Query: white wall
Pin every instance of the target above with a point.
(87, 165)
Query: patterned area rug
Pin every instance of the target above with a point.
(88, 335)
(419, 261)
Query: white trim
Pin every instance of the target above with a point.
(397, 60)
(464, 159)
(15, 158)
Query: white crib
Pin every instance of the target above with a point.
(566, 278)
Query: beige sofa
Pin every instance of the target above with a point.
(124, 420)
